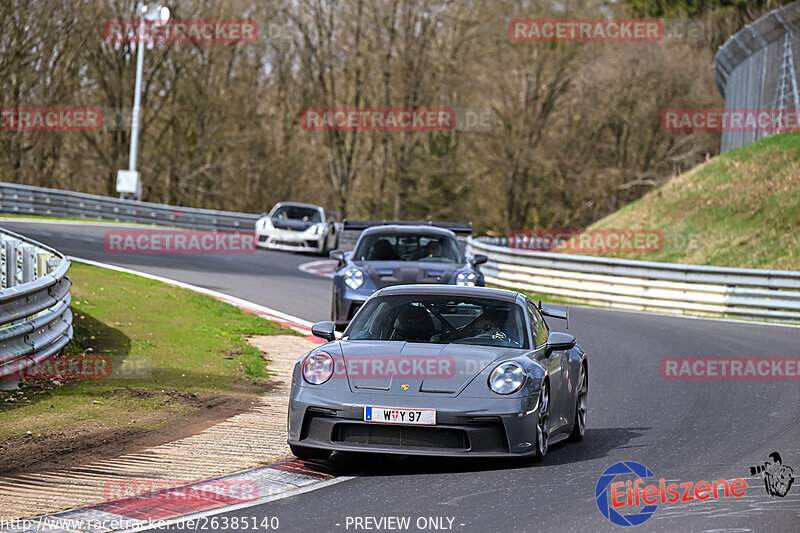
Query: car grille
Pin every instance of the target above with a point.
(401, 436)
(294, 244)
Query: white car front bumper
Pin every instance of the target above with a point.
(294, 241)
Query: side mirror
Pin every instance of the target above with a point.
(559, 341)
(479, 259)
(337, 255)
(324, 330)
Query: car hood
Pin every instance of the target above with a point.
(399, 367)
(388, 273)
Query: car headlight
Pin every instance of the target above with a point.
(317, 368)
(466, 279)
(264, 223)
(507, 378)
(318, 229)
(353, 278)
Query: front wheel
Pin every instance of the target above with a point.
(579, 426)
(309, 454)
(543, 424)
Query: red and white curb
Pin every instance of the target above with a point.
(193, 501)
(325, 268)
(293, 322)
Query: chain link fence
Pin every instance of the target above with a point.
(755, 69)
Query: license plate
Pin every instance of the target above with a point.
(393, 415)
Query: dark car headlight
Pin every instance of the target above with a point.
(467, 279)
(353, 278)
(507, 378)
(317, 368)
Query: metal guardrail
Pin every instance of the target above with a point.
(35, 320)
(30, 200)
(629, 284)
(645, 285)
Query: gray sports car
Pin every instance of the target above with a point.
(440, 370)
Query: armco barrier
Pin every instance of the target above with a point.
(645, 285)
(29, 200)
(638, 285)
(35, 320)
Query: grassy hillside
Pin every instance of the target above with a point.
(741, 209)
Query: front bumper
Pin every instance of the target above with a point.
(293, 241)
(501, 427)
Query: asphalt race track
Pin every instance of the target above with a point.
(684, 431)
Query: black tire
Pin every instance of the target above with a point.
(543, 424)
(325, 248)
(579, 424)
(309, 454)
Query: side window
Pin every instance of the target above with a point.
(538, 328)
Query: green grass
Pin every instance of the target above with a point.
(193, 343)
(741, 209)
(93, 220)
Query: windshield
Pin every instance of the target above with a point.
(440, 319)
(296, 212)
(408, 247)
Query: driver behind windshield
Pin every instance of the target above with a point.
(433, 249)
(487, 327)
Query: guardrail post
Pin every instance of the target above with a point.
(42, 259)
(10, 270)
(27, 251)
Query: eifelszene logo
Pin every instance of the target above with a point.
(628, 493)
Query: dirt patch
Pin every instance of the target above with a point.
(90, 443)
(232, 353)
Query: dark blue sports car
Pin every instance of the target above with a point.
(399, 254)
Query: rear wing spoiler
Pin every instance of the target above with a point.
(455, 227)
(552, 312)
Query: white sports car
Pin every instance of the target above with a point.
(297, 227)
